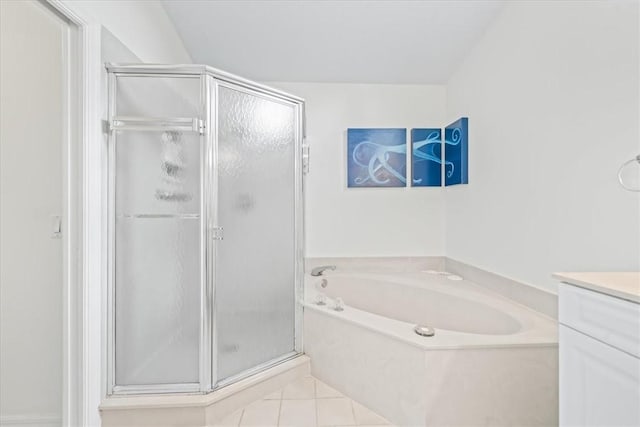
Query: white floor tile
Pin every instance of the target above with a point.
(298, 413)
(274, 396)
(335, 412)
(230, 420)
(323, 390)
(303, 388)
(365, 416)
(307, 402)
(261, 413)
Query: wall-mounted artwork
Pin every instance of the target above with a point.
(426, 157)
(376, 157)
(456, 152)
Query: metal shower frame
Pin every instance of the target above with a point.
(206, 126)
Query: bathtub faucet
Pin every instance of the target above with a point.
(319, 270)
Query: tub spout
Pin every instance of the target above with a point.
(319, 270)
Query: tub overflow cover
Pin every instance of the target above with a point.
(424, 331)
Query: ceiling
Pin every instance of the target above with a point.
(333, 41)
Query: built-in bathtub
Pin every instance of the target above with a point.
(491, 361)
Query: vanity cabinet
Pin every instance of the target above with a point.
(599, 343)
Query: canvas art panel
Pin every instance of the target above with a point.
(376, 157)
(426, 157)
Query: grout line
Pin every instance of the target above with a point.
(315, 400)
(315, 388)
(353, 411)
(280, 408)
(240, 419)
(319, 398)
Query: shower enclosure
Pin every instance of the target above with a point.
(205, 228)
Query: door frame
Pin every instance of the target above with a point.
(83, 234)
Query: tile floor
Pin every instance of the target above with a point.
(307, 402)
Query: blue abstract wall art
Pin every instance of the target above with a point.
(376, 157)
(456, 152)
(426, 157)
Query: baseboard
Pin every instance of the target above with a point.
(33, 420)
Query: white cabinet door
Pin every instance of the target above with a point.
(599, 385)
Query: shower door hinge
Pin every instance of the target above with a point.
(217, 233)
(305, 158)
(201, 126)
(106, 126)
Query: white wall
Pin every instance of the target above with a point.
(367, 221)
(31, 153)
(142, 32)
(551, 92)
(141, 25)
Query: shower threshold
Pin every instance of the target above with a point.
(204, 409)
(255, 370)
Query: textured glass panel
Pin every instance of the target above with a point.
(157, 300)
(255, 265)
(157, 173)
(158, 96)
(157, 258)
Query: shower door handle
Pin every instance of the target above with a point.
(305, 158)
(217, 233)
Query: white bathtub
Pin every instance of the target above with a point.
(490, 362)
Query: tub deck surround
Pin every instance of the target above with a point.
(492, 361)
(510, 324)
(624, 285)
(411, 386)
(379, 264)
(537, 299)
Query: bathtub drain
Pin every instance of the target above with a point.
(424, 331)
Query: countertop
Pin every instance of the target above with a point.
(625, 285)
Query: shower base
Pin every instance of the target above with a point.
(200, 409)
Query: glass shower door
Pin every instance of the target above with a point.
(204, 229)
(256, 260)
(156, 226)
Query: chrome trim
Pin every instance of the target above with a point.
(317, 271)
(424, 330)
(156, 388)
(191, 69)
(212, 218)
(299, 226)
(174, 216)
(205, 309)
(305, 158)
(180, 124)
(111, 225)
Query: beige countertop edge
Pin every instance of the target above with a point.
(624, 285)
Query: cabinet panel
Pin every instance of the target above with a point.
(608, 319)
(599, 385)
